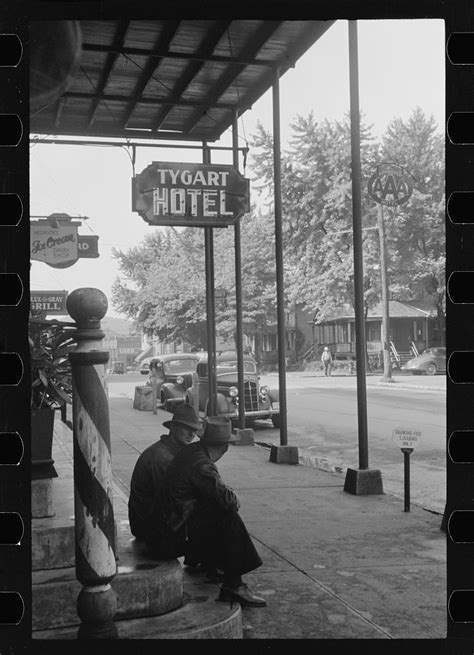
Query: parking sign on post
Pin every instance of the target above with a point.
(407, 439)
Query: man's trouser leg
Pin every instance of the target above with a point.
(220, 539)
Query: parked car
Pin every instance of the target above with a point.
(174, 375)
(430, 362)
(118, 367)
(145, 365)
(260, 401)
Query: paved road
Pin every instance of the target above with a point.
(322, 422)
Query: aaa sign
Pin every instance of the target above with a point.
(167, 193)
(390, 185)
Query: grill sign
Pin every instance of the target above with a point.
(390, 185)
(51, 302)
(199, 195)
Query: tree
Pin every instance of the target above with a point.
(416, 230)
(317, 210)
(163, 282)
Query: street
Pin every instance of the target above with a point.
(322, 423)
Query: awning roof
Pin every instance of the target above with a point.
(172, 79)
(397, 309)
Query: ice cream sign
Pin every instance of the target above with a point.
(167, 193)
(57, 246)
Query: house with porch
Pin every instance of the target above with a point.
(413, 326)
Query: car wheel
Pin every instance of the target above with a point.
(431, 369)
(164, 402)
(276, 420)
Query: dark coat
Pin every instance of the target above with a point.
(199, 517)
(192, 483)
(146, 483)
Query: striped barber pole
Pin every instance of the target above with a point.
(93, 504)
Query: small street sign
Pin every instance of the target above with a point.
(406, 437)
(88, 245)
(200, 195)
(49, 302)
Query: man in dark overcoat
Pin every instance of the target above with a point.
(151, 466)
(201, 512)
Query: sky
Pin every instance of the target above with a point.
(401, 66)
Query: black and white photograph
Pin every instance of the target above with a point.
(236, 325)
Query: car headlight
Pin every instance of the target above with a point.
(264, 390)
(180, 379)
(233, 392)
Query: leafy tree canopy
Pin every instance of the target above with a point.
(162, 282)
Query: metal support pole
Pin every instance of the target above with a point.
(93, 505)
(406, 477)
(358, 258)
(239, 336)
(387, 368)
(210, 307)
(279, 258)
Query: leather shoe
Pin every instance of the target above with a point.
(242, 595)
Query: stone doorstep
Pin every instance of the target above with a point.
(149, 589)
(199, 617)
(52, 544)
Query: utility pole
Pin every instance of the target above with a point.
(387, 367)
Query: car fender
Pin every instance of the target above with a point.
(223, 403)
(171, 391)
(274, 395)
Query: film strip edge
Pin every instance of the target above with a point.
(460, 318)
(15, 473)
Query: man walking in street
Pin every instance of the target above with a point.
(200, 516)
(151, 466)
(326, 359)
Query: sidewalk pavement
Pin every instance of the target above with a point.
(338, 379)
(335, 566)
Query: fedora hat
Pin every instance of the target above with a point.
(218, 430)
(186, 415)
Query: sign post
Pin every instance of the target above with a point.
(390, 186)
(407, 439)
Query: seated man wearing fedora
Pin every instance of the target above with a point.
(151, 466)
(201, 512)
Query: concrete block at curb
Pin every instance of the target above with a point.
(362, 482)
(284, 455)
(42, 505)
(246, 437)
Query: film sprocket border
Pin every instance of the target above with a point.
(460, 248)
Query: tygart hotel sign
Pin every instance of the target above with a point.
(166, 193)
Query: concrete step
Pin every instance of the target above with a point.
(154, 588)
(52, 544)
(199, 617)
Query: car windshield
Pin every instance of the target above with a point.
(231, 367)
(174, 366)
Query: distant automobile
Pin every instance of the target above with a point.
(260, 402)
(118, 367)
(430, 362)
(145, 365)
(174, 375)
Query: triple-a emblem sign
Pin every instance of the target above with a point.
(167, 193)
(390, 185)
